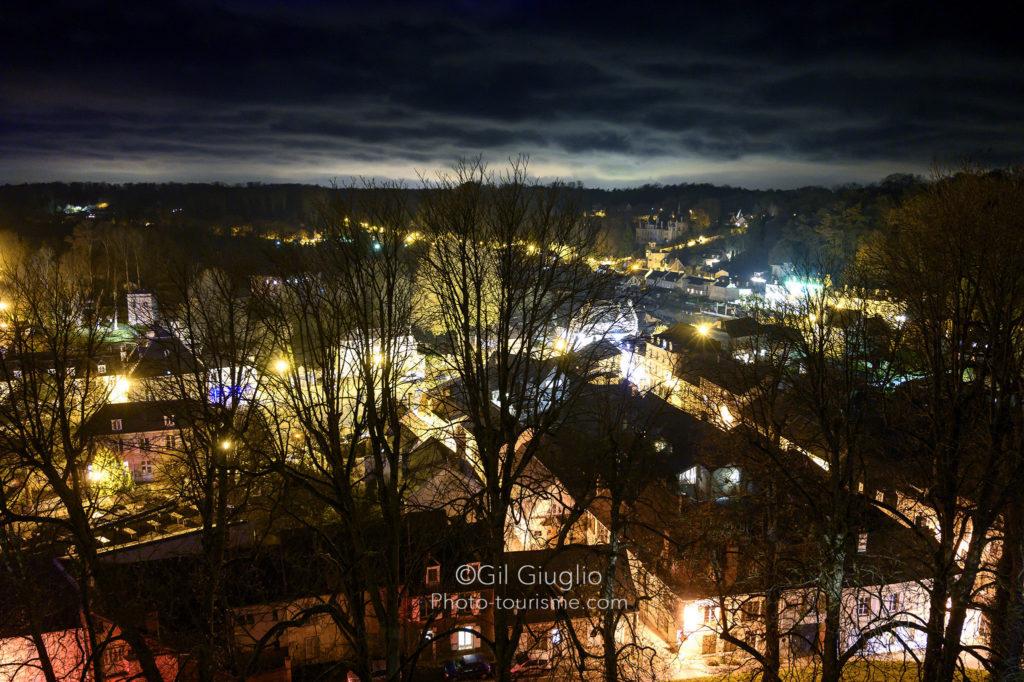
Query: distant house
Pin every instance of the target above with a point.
(142, 310)
(696, 286)
(670, 280)
(660, 232)
(662, 260)
(727, 292)
(142, 435)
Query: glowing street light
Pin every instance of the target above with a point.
(120, 387)
(226, 444)
(281, 365)
(703, 329)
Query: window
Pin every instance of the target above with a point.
(312, 648)
(709, 613)
(115, 425)
(424, 608)
(880, 495)
(168, 420)
(144, 444)
(101, 368)
(892, 602)
(556, 637)
(463, 640)
(689, 477)
(726, 481)
(433, 576)
(860, 486)
(146, 469)
(862, 543)
(864, 605)
(171, 442)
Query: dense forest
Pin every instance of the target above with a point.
(783, 225)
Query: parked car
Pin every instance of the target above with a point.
(469, 667)
(532, 667)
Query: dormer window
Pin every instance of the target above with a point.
(433, 575)
(168, 420)
(116, 425)
(101, 368)
(862, 543)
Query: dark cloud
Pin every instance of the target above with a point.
(767, 94)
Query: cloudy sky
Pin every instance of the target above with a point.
(764, 94)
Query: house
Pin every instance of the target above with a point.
(143, 435)
(660, 232)
(142, 311)
(54, 615)
(696, 286)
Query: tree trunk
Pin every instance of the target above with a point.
(609, 618)
(832, 588)
(771, 635)
(1007, 615)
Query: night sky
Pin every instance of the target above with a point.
(611, 94)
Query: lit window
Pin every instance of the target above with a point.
(689, 476)
(862, 543)
(880, 495)
(101, 368)
(115, 425)
(168, 420)
(464, 640)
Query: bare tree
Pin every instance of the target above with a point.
(343, 320)
(816, 362)
(219, 364)
(507, 260)
(952, 256)
(52, 338)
